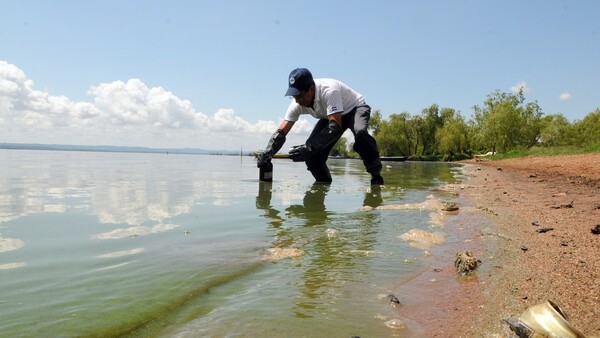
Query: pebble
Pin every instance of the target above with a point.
(542, 230)
(393, 299)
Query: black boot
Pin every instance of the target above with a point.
(321, 175)
(376, 178)
(374, 168)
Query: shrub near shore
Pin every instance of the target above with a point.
(505, 123)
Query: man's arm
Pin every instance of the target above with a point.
(275, 143)
(285, 126)
(337, 117)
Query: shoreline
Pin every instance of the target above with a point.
(500, 201)
(438, 301)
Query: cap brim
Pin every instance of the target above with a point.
(293, 91)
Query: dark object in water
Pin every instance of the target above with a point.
(596, 229)
(393, 299)
(542, 230)
(465, 262)
(265, 173)
(393, 158)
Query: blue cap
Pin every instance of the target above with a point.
(299, 80)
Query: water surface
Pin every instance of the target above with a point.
(161, 245)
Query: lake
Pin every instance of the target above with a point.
(162, 245)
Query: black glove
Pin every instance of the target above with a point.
(320, 141)
(323, 139)
(299, 153)
(275, 143)
(262, 159)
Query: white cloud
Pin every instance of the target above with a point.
(520, 86)
(565, 96)
(226, 120)
(123, 113)
(133, 103)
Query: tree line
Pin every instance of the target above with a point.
(505, 122)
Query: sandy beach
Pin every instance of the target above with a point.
(503, 205)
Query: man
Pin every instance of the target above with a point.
(338, 107)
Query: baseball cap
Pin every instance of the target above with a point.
(300, 79)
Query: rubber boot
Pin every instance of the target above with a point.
(321, 175)
(374, 169)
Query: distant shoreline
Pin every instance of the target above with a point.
(119, 149)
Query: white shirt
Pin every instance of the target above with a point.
(331, 96)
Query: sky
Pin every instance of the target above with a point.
(213, 74)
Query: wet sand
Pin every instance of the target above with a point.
(499, 203)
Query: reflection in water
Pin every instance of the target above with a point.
(10, 244)
(373, 197)
(56, 206)
(139, 194)
(134, 200)
(263, 202)
(9, 266)
(117, 188)
(332, 267)
(313, 206)
(328, 242)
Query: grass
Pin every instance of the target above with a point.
(547, 151)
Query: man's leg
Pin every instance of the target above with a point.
(316, 163)
(365, 145)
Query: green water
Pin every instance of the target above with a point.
(156, 245)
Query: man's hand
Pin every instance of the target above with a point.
(299, 153)
(263, 159)
(275, 143)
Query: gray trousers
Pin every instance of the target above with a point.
(364, 144)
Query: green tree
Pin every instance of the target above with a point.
(505, 123)
(340, 148)
(453, 135)
(427, 125)
(394, 136)
(587, 131)
(375, 122)
(531, 127)
(556, 131)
